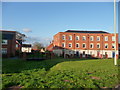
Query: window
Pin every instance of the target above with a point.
(63, 44)
(98, 45)
(106, 38)
(113, 45)
(16, 45)
(106, 45)
(77, 37)
(63, 37)
(91, 38)
(4, 50)
(91, 45)
(77, 45)
(83, 52)
(83, 38)
(70, 37)
(84, 45)
(70, 45)
(113, 38)
(98, 38)
(4, 41)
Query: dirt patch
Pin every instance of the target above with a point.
(97, 78)
(15, 87)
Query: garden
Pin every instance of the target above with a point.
(60, 73)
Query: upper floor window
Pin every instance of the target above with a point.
(113, 45)
(63, 44)
(4, 42)
(70, 37)
(113, 38)
(84, 45)
(77, 38)
(77, 45)
(98, 38)
(106, 38)
(106, 45)
(84, 38)
(91, 45)
(91, 38)
(63, 37)
(70, 45)
(98, 45)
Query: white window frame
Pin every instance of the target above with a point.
(113, 44)
(106, 38)
(91, 38)
(63, 44)
(70, 37)
(77, 38)
(83, 38)
(98, 37)
(85, 45)
(106, 44)
(63, 37)
(5, 42)
(78, 45)
(98, 44)
(113, 38)
(92, 45)
(70, 44)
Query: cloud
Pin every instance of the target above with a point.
(43, 40)
(27, 30)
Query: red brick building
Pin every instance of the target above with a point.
(85, 43)
(8, 43)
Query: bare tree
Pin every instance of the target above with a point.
(38, 45)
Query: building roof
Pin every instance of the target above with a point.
(6, 31)
(75, 31)
(26, 45)
(8, 34)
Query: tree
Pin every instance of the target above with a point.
(37, 45)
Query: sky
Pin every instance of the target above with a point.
(40, 21)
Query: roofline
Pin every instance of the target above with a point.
(7, 31)
(77, 31)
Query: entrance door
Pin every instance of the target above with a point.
(77, 54)
(83, 53)
(113, 54)
(98, 53)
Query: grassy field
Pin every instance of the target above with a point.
(60, 73)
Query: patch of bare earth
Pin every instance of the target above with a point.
(97, 78)
(15, 87)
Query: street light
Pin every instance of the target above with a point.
(115, 59)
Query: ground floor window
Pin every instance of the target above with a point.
(4, 50)
(83, 52)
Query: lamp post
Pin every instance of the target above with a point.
(115, 59)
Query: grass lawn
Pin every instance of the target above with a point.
(60, 73)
